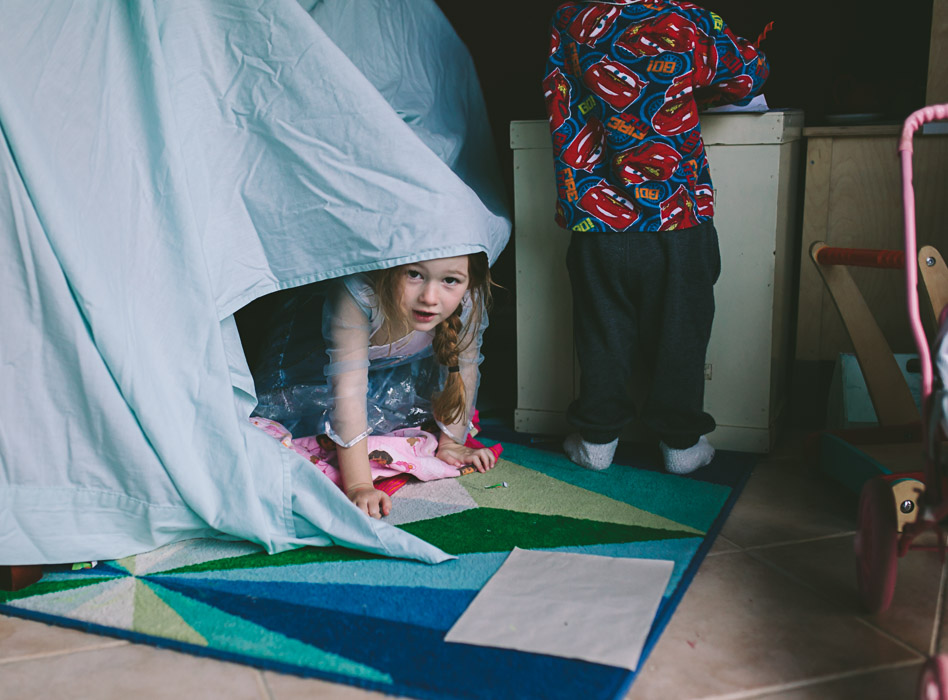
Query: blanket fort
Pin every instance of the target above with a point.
(163, 164)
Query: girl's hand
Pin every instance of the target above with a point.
(458, 455)
(370, 500)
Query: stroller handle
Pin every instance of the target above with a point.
(910, 126)
(916, 119)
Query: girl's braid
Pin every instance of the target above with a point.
(449, 406)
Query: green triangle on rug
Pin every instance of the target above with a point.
(261, 559)
(44, 588)
(493, 530)
(154, 616)
(559, 498)
(691, 502)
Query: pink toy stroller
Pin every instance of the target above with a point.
(895, 509)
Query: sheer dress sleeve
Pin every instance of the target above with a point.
(347, 327)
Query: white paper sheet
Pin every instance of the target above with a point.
(758, 104)
(578, 606)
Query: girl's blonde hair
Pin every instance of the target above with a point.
(451, 337)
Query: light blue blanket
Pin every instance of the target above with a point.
(162, 164)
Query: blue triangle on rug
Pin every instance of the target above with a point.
(392, 604)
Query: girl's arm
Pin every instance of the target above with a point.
(347, 330)
(357, 480)
(457, 455)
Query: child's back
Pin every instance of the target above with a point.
(623, 85)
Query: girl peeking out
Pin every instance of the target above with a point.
(377, 352)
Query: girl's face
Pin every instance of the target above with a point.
(432, 290)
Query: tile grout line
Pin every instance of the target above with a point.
(722, 538)
(822, 596)
(817, 680)
(785, 543)
(780, 571)
(63, 652)
(263, 686)
(888, 635)
(808, 540)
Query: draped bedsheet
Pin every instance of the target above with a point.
(162, 164)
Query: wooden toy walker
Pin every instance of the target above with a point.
(895, 509)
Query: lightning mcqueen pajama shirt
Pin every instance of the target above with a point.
(624, 81)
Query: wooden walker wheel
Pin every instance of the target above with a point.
(876, 545)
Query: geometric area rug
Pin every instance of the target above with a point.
(360, 619)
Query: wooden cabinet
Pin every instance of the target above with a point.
(853, 199)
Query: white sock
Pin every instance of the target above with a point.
(591, 455)
(689, 459)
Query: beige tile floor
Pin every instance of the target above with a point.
(772, 613)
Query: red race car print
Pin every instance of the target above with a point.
(566, 13)
(704, 200)
(677, 212)
(614, 83)
(556, 96)
(586, 150)
(592, 23)
(650, 161)
(679, 113)
(670, 32)
(706, 59)
(606, 204)
(735, 88)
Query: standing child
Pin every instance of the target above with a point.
(623, 84)
(398, 347)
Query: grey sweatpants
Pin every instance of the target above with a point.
(643, 303)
